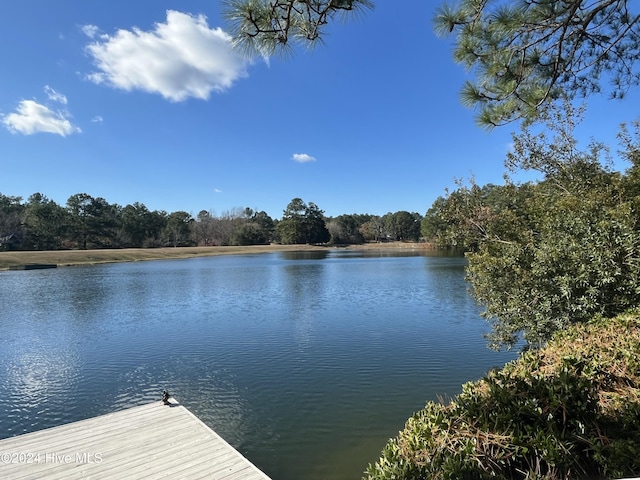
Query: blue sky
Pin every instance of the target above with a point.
(144, 102)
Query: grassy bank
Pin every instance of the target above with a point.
(64, 258)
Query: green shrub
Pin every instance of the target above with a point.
(569, 410)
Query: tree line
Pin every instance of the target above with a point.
(87, 222)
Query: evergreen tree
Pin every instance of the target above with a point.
(264, 27)
(525, 53)
(302, 223)
(45, 223)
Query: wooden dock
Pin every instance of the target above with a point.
(147, 442)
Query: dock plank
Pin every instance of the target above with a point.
(152, 441)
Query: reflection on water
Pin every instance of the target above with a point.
(306, 362)
(306, 255)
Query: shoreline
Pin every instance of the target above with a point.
(68, 258)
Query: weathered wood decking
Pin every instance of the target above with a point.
(146, 442)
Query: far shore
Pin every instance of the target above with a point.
(65, 258)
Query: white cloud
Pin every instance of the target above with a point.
(302, 158)
(90, 31)
(97, 119)
(31, 117)
(179, 59)
(55, 96)
(217, 190)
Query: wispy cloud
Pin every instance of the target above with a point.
(31, 117)
(55, 96)
(179, 59)
(97, 119)
(217, 190)
(90, 31)
(302, 158)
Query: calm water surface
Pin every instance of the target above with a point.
(305, 362)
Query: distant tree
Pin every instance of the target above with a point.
(372, 229)
(80, 227)
(45, 223)
(140, 227)
(11, 222)
(250, 234)
(316, 226)
(275, 235)
(264, 222)
(253, 228)
(302, 223)
(225, 226)
(203, 228)
(406, 226)
(156, 221)
(345, 229)
(134, 225)
(177, 229)
(402, 226)
(292, 228)
(334, 232)
(104, 222)
(92, 221)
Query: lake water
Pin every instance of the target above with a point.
(305, 362)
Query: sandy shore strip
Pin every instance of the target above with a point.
(64, 258)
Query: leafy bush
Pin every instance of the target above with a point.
(569, 410)
(547, 254)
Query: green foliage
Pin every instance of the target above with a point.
(548, 254)
(264, 27)
(524, 53)
(177, 231)
(345, 229)
(569, 410)
(45, 222)
(372, 229)
(471, 215)
(402, 226)
(250, 234)
(11, 219)
(302, 223)
(91, 221)
(433, 225)
(527, 53)
(140, 227)
(257, 229)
